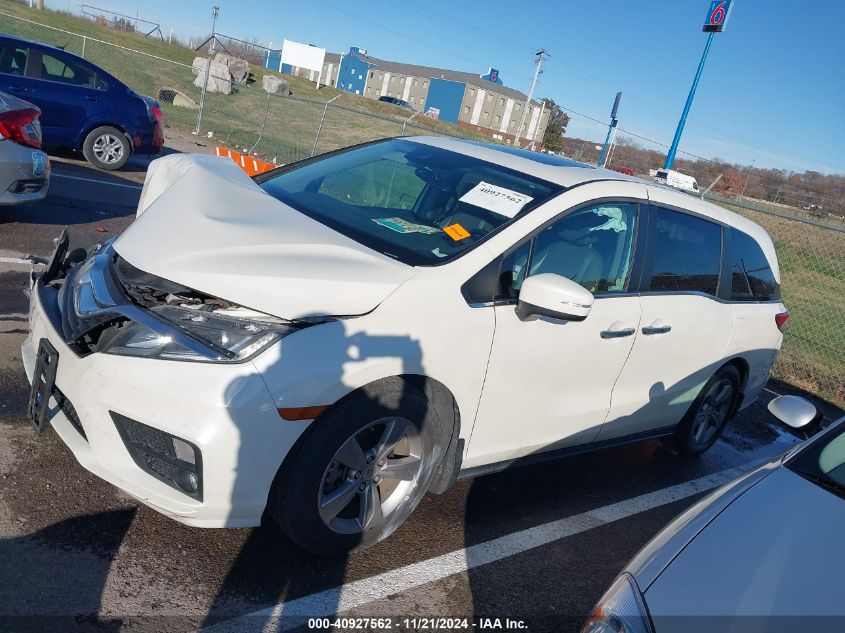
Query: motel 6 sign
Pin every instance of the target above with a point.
(717, 16)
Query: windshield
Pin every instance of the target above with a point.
(419, 204)
(823, 462)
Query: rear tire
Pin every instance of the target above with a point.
(107, 148)
(348, 483)
(709, 413)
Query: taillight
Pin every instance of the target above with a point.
(781, 319)
(156, 113)
(21, 126)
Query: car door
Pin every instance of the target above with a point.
(14, 61)
(685, 326)
(69, 93)
(548, 381)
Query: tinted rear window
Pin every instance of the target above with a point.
(686, 253)
(752, 278)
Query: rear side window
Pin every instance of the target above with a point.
(68, 71)
(13, 59)
(686, 253)
(752, 278)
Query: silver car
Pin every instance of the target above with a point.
(764, 553)
(24, 168)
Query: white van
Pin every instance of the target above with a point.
(676, 179)
(334, 338)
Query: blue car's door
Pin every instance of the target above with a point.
(69, 93)
(15, 57)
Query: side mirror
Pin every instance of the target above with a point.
(553, 296)
(798, 414)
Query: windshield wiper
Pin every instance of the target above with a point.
(825, 482)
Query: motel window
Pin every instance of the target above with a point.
(415, 83)
(501, 101)
(472, 92)
(413, 99)
(466, 109)
(518, 107)
(489, 98)
(352, 70)
(380, 76)
(371, 74)
(425, 84)
(497, 119)
(486, 115)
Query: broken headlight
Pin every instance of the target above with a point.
(232, 339)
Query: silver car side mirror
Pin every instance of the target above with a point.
(796, 413)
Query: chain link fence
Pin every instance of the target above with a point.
(811, 247)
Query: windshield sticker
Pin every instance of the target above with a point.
(456, 232)
(496, 199)
(403, 226)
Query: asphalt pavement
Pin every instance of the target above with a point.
(536, 545)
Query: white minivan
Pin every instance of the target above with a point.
(676, 179)
(332, 339)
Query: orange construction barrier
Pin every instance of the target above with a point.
(252, 166)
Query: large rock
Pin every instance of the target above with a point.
(219, 77)
(239, 68)
(177, 98)
(275, 85)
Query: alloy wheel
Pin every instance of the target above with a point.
(712, 411)
(370, 476)
(108, 149)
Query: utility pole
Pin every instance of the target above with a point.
(747, 178)
(539, 123)
(215, 11)
(539, 56)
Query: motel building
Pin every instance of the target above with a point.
(479, 102)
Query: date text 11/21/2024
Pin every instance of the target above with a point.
(418, 623)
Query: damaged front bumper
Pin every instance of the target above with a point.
(222, 411)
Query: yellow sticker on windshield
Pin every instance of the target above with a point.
(456, 232)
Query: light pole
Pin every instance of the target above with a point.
(717, 18)
(611, 129)
(215, 10)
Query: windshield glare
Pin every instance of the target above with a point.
(419, 204)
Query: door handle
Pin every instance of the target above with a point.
(658, 327)
(91, 98)
(18, 89)
(628, 331)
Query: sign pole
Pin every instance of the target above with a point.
(670, 157)
(717, 19)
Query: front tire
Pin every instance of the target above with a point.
(710, 412)
(359, 471)
(107, 148)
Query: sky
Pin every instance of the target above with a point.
(772, 91)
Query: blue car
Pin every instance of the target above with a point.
(82, 106)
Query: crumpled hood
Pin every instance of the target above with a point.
(203, 223)
(775, 551)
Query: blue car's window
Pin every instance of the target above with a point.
(13, 59)
(64, 70)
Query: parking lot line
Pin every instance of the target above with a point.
(368, 590)
(99, 182)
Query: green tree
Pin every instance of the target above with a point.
(558, 120)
